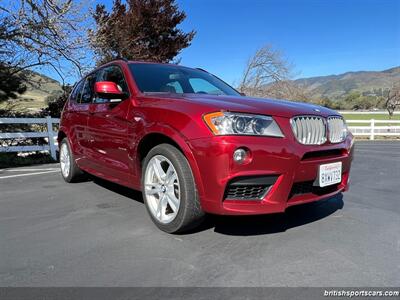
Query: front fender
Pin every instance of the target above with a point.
(182, 142)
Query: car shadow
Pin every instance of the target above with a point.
(119, 189)
(273, 223)
(248, 225)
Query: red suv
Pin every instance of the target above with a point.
(194, 145)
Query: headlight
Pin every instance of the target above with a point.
(227, 123)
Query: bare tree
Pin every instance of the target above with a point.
(393, 99)
(266, 66)
(267, 74)
(286, 89)
(45, 33)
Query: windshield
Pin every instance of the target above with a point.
(157, 78)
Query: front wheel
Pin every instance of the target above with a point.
(169, 190)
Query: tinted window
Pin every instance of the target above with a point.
(77, 91)
(87, 91)
(155, 78)
(114, 74)
(202, 86)
(174, 87)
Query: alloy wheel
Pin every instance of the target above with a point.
(65, 161)
(162, 189)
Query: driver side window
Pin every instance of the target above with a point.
(113, 74)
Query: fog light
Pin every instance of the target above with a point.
(240, 155)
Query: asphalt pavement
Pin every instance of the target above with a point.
(99, 234)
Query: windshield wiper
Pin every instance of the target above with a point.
(146, 93)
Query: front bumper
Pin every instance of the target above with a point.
(291, 163)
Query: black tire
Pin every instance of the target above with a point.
(190, 214)
(75, 174)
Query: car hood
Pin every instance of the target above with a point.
(281, 108)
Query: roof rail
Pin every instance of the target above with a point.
(201, 70)
(119, 58)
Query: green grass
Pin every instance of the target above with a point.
(383, 116)
(370, 116)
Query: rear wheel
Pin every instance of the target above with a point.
(169, 190)
(69, 169)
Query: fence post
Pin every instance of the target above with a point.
(51, 137)
(372, 137)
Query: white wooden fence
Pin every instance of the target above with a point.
(50, 135)
(374, 128)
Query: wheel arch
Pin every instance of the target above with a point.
(151, 140)
(168, 136)
(61, 135)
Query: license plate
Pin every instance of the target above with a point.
(330, 174)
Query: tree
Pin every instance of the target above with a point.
(325, 101)
(267, 74)
(266, 66)
(139, 30)
(12, 84)
(393, 98)
(56, 102)
(43, 33)
(285, 89)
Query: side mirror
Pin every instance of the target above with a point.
(242, 94)
(109, 90)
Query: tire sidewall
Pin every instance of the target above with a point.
(70, 175)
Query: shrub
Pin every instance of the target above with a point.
(56, 102)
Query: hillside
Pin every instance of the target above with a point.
(332, 86)
(337, 86)
(39, 87)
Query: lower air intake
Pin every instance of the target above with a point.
(249, 188)
(306, 187)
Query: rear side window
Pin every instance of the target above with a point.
(83, 91)
(87, 91)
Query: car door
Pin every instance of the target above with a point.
(108, 130)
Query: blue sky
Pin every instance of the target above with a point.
(320, 37)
